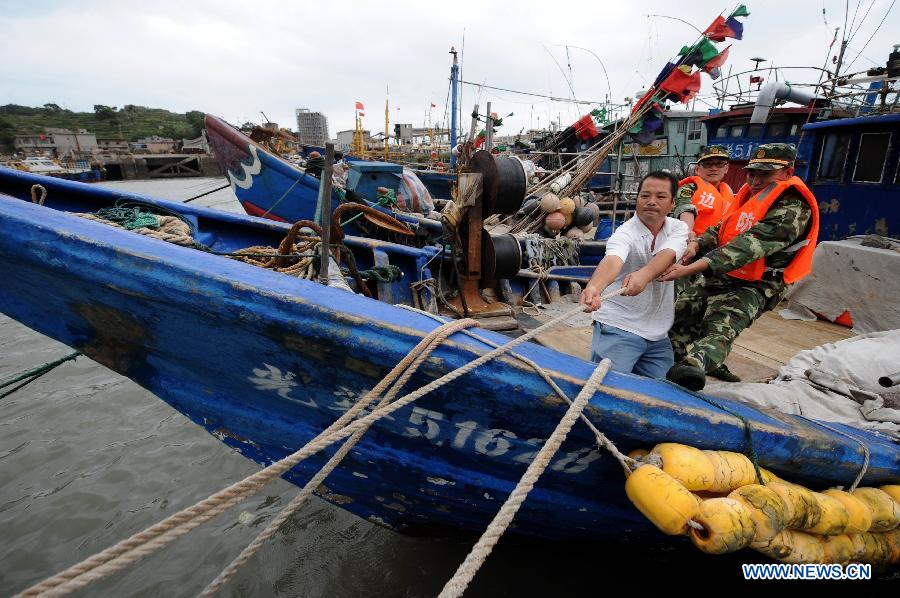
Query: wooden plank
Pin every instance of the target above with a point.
(778, 340)
(571, 341)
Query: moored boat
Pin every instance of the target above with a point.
(265, 361)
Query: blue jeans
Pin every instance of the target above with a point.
(631, 353)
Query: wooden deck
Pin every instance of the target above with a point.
(758, 352)
(772, 341)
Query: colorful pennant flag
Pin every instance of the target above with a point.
(359, 106)
(682, 85)
(736, 27)
(741, 11)
(718, 30)
(699, 54)
(716, 61)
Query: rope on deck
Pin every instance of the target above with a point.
(482, 549)
(134, 548)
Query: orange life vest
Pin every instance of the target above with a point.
(712, 202)
(747, 211)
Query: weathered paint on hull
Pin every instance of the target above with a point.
(264, 362)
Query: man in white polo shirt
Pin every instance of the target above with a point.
(632, 329)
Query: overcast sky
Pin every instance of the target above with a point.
(235, 59)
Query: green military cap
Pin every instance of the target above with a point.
(772, 156)
(714, 151)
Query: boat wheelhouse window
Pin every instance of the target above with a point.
(873, 149)
(680, 126)
(776, 130)
(795, 129)
(695, 130)
(754, 130)
(737, 131)
(721, 132)
(834, 156)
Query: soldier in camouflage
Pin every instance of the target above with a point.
(702, 200)
(712, 166)
(712, 310)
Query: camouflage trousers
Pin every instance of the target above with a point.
(708, 317)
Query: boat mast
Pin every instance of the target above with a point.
(386, 123)
(454, 86)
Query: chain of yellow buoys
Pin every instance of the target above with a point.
(714, 498)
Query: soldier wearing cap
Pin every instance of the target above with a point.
(764, 243)
(704, 198)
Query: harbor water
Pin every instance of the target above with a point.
(88, 458)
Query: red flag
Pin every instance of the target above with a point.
(681, 84)
(719, 30)
(361, 113)
(433, 105)
(359, 106)
(717, 61)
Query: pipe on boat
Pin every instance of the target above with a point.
(774, 91)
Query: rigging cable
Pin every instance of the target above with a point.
(868, 41)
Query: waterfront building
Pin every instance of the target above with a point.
(312, 127)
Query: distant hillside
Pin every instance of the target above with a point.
(108, 122)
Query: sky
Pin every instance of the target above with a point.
(240, 59)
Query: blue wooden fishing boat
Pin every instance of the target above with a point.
(266, 184)
(271, 187)
(265, 361)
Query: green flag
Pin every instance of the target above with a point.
(701, 53)
(741, 11)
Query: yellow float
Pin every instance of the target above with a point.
(767, 510)
(726, 526)
(662, 499)
(732, 470)
(885, 511)
(860, 517)
(686, 464)
(833, 516)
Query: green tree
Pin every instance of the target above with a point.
(195, 122)
(7, 133)
(105, 112)
(52, 108)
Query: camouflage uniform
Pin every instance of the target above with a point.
(684, 203)
(683, 200)
(715, 308)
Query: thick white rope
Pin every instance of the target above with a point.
(219, 582)
(174, 526)
(469, 567)
(161, 534)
